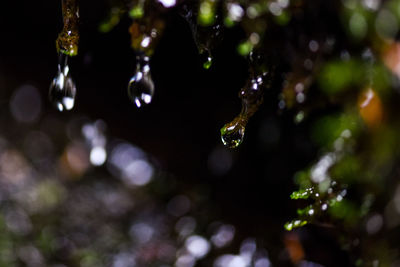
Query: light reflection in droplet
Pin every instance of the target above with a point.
(62, 89)
(141, 85)
(232, 133)
(68, 103)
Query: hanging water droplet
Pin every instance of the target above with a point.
(206, 58)
(206, 38)
(232, 133)
(141, 86)
(62, 89)
(141, 89)
(208, 63)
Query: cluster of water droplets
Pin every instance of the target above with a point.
(232, 133)
(62, 89)
(141, 85)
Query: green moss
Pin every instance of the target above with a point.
(136, 12)
(302, 194)
(206, 15)
(289, 226)
(245, 48)
(339, 76)
(328, 129)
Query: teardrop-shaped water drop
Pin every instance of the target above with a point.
(62, 89)
(232, 133)
(206, 58)
(141, 88)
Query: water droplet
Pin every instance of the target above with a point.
(206, 38)
(62, 89)
(141, 86)
(141, 89)
(232, 133)
(206, 58)
(208, 63)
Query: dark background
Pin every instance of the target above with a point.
(181, 126)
